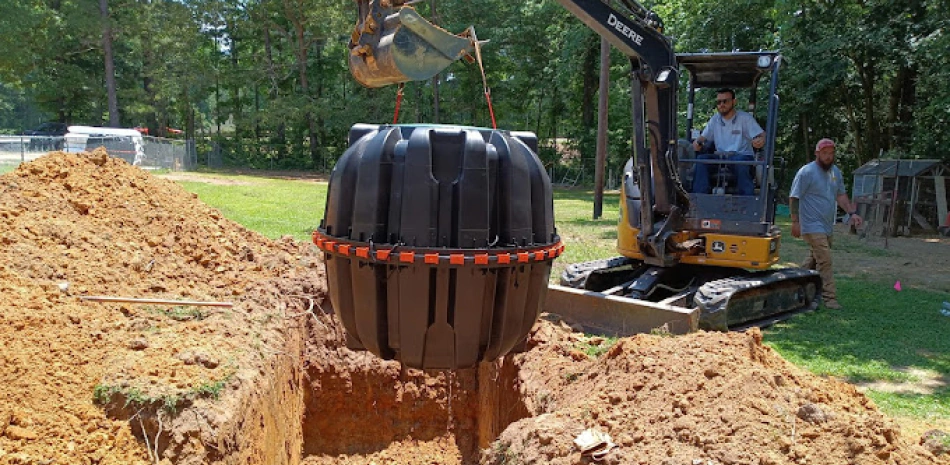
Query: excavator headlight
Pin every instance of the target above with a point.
(664, 78)
(764, 62)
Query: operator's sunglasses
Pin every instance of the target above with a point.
(722, 101)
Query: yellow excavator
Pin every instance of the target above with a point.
(688, 260)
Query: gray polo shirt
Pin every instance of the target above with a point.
(732, 135)
(816, 191)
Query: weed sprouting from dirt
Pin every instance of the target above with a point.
(181, 313)
(169, 402)
(595, 346)
(662, 331)
(211, 389)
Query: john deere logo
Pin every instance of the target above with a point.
(719, 247)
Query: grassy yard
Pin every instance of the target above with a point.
(894, 343)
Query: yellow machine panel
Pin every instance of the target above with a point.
(720, 249)
(737, 251)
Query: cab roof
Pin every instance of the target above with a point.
(725, 69)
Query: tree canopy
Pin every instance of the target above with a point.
(265, 82)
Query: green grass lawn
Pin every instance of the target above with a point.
(7, 167)
(881, 336)
(272, 207)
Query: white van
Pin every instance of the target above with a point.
(122, 143)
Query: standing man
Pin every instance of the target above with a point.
(817, 191)
(730, 130)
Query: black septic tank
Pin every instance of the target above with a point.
(438, 242)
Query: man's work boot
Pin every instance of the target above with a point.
(832, 304)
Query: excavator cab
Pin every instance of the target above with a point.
(392, 43)
(744, 73)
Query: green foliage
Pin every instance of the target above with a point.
(266, 85)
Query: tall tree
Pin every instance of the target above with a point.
(111, 91)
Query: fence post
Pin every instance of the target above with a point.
(22, 152)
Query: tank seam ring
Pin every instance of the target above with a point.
(373, 253)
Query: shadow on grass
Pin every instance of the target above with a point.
(583, 194)
(879, 329)
(934, 405)
(607, 222)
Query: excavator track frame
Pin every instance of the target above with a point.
(621, 296)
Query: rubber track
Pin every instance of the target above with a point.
(715, 298)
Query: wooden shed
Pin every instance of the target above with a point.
(920, 203)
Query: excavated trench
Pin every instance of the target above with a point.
(332, 403)
(356, 404)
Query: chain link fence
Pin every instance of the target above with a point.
(147, 153)
(580, 173)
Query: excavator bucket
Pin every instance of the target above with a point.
(392, 43)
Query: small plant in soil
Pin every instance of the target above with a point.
(211, 389)
(185, 313)
(596, 346)
(171, 402)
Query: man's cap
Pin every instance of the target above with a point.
(824, 143)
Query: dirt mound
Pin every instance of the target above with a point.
(80, 380)
(701, 399)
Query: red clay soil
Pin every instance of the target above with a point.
(270, 380)
(702, 399)
(80, 381)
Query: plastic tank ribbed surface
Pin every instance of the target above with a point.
(439, 191)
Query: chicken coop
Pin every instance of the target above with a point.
(902, 197)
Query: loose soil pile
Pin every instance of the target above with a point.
(81, 381)
(270, 381)
(704, 398)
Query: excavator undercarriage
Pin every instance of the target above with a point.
(715, 298)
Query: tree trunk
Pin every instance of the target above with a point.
(803, 118)
(871, 127)
(114, 120)
(856, 131)
(274, 94)
(236, 104)
(435, 79)
(301, 55)
(601, 160)
(900, 108)
(590, 77)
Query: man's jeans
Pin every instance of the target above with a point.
(744, 183)
(819, 258)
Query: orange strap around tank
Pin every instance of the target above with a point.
(398, 102)
(481, 67)
(408, 256)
